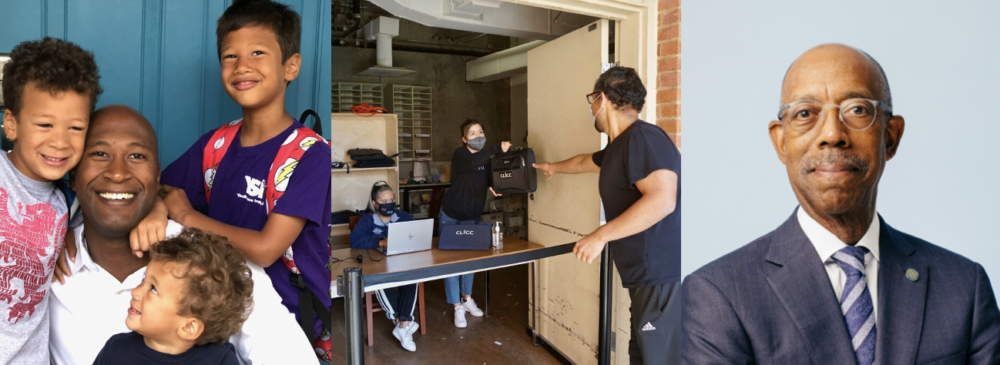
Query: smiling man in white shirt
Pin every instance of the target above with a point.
(116, 185)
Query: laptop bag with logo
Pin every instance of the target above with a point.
(513, 172)
(465, 235)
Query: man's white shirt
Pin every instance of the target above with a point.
(826, 244)
(92, 306)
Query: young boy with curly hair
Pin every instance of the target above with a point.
(196, 293)
(50, 88)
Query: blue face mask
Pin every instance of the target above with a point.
(387, 209)
(477, 143)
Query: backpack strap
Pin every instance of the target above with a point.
(278, 177)
(280, 173)
(214, 150)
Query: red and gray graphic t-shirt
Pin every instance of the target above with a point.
(32, 226)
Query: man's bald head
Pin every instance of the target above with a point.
(125, 116)
(825, 55)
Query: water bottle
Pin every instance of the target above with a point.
(497, 236)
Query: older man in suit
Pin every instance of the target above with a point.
(835, 284)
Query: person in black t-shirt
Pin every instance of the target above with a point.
(195, 294)
(639, 183)
(464, 201)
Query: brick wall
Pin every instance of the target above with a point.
(668, 68)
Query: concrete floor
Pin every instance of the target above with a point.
(446, 344)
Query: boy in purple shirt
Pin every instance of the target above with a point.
(258, 43)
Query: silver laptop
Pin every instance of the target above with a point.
(412, 236)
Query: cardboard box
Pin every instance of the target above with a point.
(513, 204)
(515, 232)
(493, 218)
(514, 220)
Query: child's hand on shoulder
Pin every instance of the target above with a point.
(177, 203)
(150, 230)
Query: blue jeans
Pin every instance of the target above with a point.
(451, 284)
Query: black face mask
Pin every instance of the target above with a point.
(387, 209)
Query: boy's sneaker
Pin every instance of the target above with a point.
(470, 306)
(405, 336)
(460, 316)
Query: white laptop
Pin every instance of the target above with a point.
(412, 236)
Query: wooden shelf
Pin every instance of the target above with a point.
(357, 169)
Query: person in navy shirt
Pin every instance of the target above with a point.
(372, 232)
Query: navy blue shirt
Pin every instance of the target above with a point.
(651, 257)
(129, 348)
(371, 229)
(470, 178)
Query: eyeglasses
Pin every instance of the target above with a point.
(390, 201)
(857, 114)
(592, 97)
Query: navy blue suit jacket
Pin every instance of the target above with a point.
(771, 302)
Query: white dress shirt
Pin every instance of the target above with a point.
(91, 307)
(827, 244)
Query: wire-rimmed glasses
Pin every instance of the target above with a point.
(857, 113)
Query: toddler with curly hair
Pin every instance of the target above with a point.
(195, 294)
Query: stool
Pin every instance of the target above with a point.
(369, 309)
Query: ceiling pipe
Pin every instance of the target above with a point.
(412, 46)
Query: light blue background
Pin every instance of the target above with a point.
(942, 60)
(160, 58)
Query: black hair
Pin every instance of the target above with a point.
(622, 86)
(53, 65)
(468, 123)
(281, 19)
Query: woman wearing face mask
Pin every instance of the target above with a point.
(372, 232)
(464, 201)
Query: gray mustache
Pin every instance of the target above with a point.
(853, 161)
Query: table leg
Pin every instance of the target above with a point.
(352, 311)
(604, 318)
(534, 306)
(487, 309)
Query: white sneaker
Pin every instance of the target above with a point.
(460, 317)
(470, 306)
(405, 336)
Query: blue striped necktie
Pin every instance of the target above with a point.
(856, 303)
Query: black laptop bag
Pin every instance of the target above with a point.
(513, 172)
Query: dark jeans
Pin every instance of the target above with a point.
(398, 302)
(656, 324)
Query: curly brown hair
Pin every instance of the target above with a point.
(53, 65)
(281, 19)
(218, 282)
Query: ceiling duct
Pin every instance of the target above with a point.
(382, 30)
(484, 16)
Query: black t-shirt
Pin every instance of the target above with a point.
(470, 178)
(129, 348)
(651, 257)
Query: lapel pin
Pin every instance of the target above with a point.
(912, 274)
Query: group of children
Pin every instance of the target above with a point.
(197, 288)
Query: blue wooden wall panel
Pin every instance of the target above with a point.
(20, 21)
(115, 44)
(159, 56)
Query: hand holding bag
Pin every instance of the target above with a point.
(513, 172)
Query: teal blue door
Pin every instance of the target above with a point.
(159, 57)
